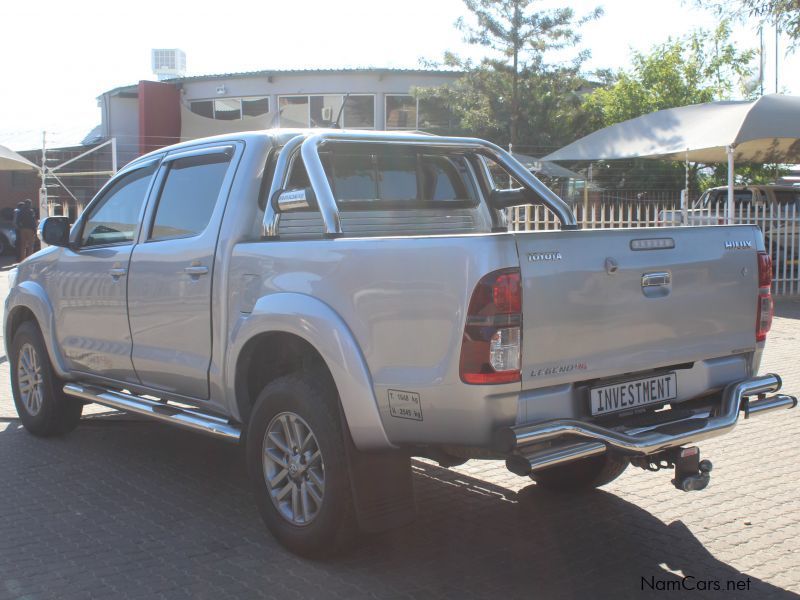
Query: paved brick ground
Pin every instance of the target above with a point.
(128, 509)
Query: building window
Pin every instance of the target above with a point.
(204, 108)
(403, 111)
(293, 111)
(323, 110)
(253, 107)
(433, 116)
(359, 112)
(230, 109)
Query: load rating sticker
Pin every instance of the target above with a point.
(405, 405)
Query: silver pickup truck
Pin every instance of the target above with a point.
(341, 301)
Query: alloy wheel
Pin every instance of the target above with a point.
(30, 379)
(293, 468)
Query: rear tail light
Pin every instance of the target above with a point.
(764, 270)
(491, 350)
(764, 307)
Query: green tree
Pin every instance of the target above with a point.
(783, 14)
(701, 67)
(518, 35)
(548, 106)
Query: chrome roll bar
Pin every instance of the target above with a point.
(310, 144)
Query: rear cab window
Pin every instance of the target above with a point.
(375, 177)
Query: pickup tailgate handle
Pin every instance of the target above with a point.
(660, 279)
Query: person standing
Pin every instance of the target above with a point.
(26, 223)
(17, 234)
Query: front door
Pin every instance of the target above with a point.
(171, 272)
(89, 286)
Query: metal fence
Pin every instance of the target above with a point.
(779, 223)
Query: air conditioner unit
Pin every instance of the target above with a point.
(168, 63)
(327, 113)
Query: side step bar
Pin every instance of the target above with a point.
(186, 418)
(572, 439)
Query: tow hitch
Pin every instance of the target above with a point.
(691, 473)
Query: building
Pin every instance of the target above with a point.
(152, 114)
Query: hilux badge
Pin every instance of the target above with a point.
(738, 245)
(541, 256)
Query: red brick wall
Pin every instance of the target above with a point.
(159, 115)
(16, 188)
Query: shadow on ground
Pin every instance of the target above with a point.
(127, 508)
(788, 308)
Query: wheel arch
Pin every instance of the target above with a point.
(290, 331)
(28, 302)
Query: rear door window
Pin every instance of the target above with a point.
(188, 196)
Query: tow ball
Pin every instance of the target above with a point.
(691, 473)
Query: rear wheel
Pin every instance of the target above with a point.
(298, 465)
(41, 404)
(581, 475)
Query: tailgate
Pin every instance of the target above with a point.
(594, 307)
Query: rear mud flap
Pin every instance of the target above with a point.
(382, 488)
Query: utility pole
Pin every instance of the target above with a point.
(761, 62)
(777, 38)
(44, 209)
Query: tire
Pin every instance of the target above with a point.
(4, 245)
(42, 406)
(308, 518)
(581, 475)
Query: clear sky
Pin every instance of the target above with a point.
(57, 56)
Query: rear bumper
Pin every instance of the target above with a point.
(563, 440)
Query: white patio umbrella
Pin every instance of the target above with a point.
(766, 130)
(11, 161)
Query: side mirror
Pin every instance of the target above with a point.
(54, 231)
(294, 200)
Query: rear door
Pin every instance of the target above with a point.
(171, 271)
(594, 306)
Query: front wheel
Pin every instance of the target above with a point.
(41, 404)
(298, 466)
(581, 475)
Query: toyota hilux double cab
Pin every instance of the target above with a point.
(339, 302)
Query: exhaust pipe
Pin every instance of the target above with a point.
(526, 463)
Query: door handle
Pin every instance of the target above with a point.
(117, 272)
(196, 270)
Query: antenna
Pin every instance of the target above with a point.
(336, 124)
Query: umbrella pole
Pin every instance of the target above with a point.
(685, 195)
(731, 206)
